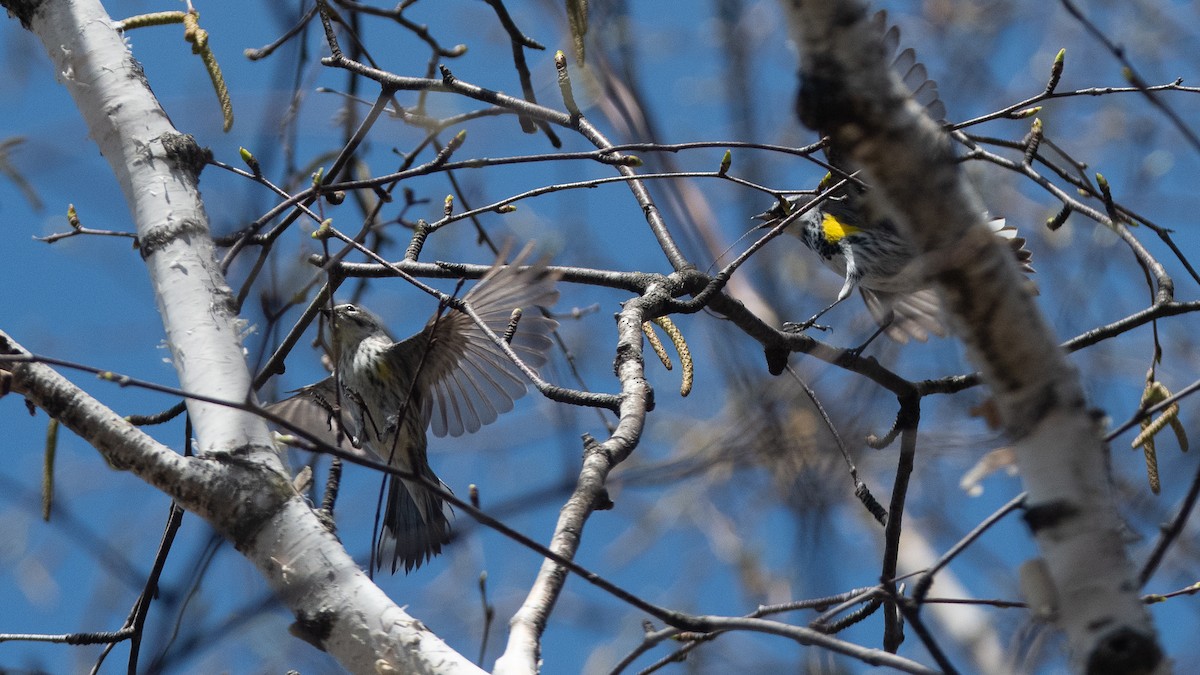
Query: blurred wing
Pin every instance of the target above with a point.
(906, 315)
(911, 72)
(312, 409)
(918, 315)
(466, 379)
(916, 78)
(1023, 255)
(914, 75)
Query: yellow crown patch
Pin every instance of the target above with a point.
(835, 230)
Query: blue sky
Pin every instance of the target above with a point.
(88, 300)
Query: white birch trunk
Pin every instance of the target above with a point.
(250, 500)
(848, 93)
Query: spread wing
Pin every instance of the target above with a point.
(313, 410)
(1008, 233)
(466, 379)
(911, 72)
(918, 315)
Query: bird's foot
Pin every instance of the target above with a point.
(793, 327)
(857, 351)
(853, 353)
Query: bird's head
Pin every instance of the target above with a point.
(781, 209)
(830, 221)
(352, 324)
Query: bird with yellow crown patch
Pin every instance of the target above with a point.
(864, 246)
(872, 256)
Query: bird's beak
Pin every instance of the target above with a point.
(772, 215)
(326, 312)
(769, 219)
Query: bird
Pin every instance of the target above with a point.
(450, 378)
(865, 247)
(874, 257)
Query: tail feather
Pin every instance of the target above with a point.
(415, 526)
